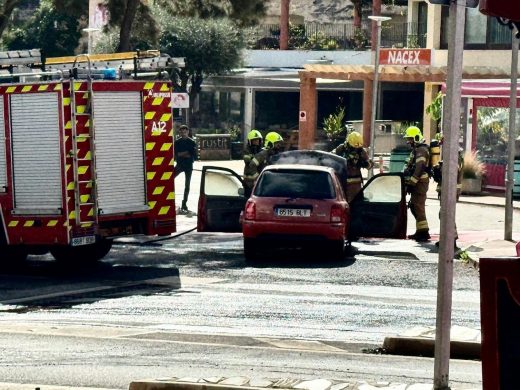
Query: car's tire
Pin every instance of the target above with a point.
(250, 250)
(337, 250)
(84, 254)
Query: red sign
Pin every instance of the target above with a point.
(405, 57)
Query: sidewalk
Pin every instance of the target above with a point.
(480, 244)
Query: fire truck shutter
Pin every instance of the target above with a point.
(3, 173)
(36, 153)
(119, 152)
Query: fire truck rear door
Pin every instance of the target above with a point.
(36, 153)
(119, 152)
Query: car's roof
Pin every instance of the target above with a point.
(301, 167)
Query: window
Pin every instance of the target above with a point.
(481, 32)
(296, 184)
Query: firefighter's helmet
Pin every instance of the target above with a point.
(355, 139)
(254, 134)
(439, 137)
(272, 138)
(415, 133)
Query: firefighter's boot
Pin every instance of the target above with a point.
(420, 236)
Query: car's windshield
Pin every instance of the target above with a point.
(296, 184)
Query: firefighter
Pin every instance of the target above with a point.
(437, 177)
(251, 172)
(185, 152)
(357, 157)
(417, 179)
(273, 144)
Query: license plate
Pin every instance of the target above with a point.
(283, 212)
(86, 240)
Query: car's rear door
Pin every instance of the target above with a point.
(221, 200)
(379, 210)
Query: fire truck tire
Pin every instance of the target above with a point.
(12, 254)
(82, 254)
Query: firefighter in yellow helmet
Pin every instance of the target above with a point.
(357, 157)
(251, 172)
(437, 177)
(417, 179)
(273, 144)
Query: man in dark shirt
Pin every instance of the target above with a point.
(185, 151)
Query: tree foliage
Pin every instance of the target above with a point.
(209, 47)
(54, 31)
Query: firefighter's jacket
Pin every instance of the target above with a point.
(437, 173)
(357, 158)
(418, 165)
(251, 166)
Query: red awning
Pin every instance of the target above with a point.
(485, 88)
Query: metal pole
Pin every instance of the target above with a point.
(508, 226)
(457, 17)
(375, 91)
(375, 87)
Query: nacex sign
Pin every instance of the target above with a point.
(405, 57)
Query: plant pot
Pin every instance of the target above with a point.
(472, 186)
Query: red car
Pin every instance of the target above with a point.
(301, 205)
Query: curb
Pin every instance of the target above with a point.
(421, 346)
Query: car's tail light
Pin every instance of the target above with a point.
(250, 210)
(337, 214)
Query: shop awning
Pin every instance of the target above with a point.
(416, 73)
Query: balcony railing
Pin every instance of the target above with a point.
(345, 36)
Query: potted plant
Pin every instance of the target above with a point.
(334, 127)
(237, 144)
(472, 173)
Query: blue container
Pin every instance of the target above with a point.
(516, 187)
(398, 159)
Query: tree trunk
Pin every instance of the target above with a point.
(7, 10)
(284, 24)
(376, 11)
(357, 13)
(126, 25)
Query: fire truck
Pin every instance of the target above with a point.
(86, 153)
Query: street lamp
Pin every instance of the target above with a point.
(89, 31)
(375, 87)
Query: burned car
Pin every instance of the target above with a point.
(299, 200)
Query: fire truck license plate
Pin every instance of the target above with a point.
(77, 241)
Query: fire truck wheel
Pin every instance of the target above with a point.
(12, 254)
(83, 254)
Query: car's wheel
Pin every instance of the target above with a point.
(82, 254)
(250, 250)
(337, 249)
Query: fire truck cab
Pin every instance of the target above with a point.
(86, 155)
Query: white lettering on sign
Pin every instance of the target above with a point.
(404, 57)
(159, 127)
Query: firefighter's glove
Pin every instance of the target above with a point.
(248, 158)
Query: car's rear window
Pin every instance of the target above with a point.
(296, 184)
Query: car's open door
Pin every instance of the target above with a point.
(379, 210)
(221, 200)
